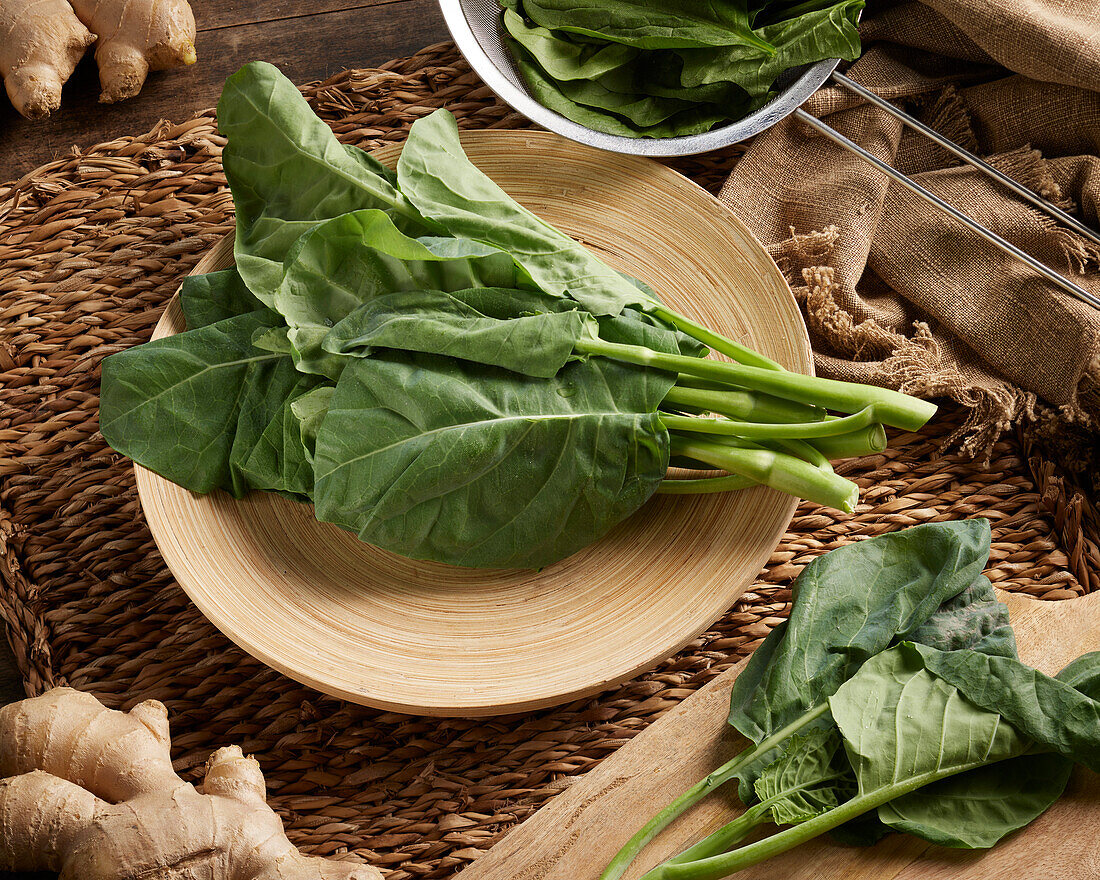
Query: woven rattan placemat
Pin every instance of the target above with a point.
(91, 248)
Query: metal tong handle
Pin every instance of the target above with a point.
(914, 187)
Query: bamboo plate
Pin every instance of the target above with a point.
(371, 627)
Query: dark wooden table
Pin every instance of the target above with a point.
(308, 40)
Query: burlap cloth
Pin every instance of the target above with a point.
(895, 292)
(91, 248)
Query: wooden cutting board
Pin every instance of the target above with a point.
(576, 834)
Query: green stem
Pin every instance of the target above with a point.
(865, 441)
(889, 407)
(775, 469)
(618, 865)
(773, 431)
(749, 406)
(807, 452)
(704, 485)
(719, 866)
(726, 837)
(717, 341)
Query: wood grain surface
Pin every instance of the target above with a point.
(308, 40)
(372, 627)
(575, 835)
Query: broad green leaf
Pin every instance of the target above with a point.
(563, 59)
(905, 728)
(1083, 674)
(287, 172)
(635, 327)
(651, 24)
(807, 39)
(342, 263)
(768, 12)
(807, 779)
(976, 809)
(445, 186)
(282, 459)
(436, 322)
(309, 411)
(417, 452)
(575, 101)
(215, 296)
(973, 619)
(849, 605)
(172, 405)
(1050, 711)
(659, 74)
(262, 400)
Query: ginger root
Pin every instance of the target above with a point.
(136, 36)
(92, 795)
(41, 42)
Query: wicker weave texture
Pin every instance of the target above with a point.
(91, 248)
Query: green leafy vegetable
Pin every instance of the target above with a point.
(817, 34)
(432, 321)
(665, 69)
(444, 373)
(651, 24)
(806, 780)
(950, 738)
(282, 458)
(342, 263)
(436, 176)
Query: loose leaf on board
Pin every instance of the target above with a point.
(806, 780)
(1061, 716)
(976, 809)
(905, 728)
(849, 605)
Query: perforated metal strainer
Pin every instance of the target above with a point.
(478, 31)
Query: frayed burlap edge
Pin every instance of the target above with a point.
(917, 364)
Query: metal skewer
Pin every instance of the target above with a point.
(914, 187)
(968, 157)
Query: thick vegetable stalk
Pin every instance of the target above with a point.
(880, 404)
(778, 470)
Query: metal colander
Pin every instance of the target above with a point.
(478, 31)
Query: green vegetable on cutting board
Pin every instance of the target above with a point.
(407, 349)
(891, 700)
(665, 68)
